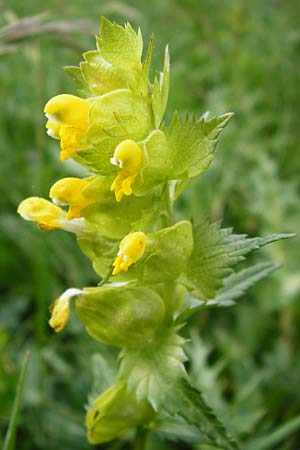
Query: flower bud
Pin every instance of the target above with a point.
(114, 413)
(131, 250)
(127, 156)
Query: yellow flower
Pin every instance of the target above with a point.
(127, 156)
(68, 191)
(60, 309)
(68, 120)
(132, 248)
(48, 216)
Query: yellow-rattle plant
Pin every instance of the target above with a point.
(154, 273)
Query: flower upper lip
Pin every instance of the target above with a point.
(117, 162)
(52, 118)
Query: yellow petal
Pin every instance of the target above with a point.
(60, 312)
(127, 156)
(60, 309)
(68, 109)
(126, 185)
(46, 215)
(71, 140)
(68, 191)
(53, 129)
(132, 248)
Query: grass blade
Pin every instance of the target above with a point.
(269, 441)
(11, 431)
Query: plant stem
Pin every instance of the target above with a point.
(140, 439)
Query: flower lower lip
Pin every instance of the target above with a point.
(25, 217)
(51, 133)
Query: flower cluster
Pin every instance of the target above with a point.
(122, 216)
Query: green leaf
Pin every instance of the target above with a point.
(97, 157)
(123, 316)
(235, 286)
(101, 76)
(119, 114)
(160, 91)
(238, 283)
(9, 441)
(188, 403)
(166, 254)
(148, 60)
(152, 370)
(193, 143)
(112, 219)
(105, 369)
(117, 61)
(100, 250)
(120, 46)
(273, 438)
(155, 164)
(215, 252)
(176, 429)
(76, 74)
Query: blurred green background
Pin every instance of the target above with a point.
(241, 56)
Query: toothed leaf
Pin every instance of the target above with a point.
(188, 403)
(234, 287)
(216, 251)
(193, 143)
(161, 91)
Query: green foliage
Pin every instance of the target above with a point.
(214, 254)
(235, 285)
(166, 254)
(160, 92)
(188, 403)
(114, 413)
(156, 162)
(193, 143)
(152, 370)
(125, 316)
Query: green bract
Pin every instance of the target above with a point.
(154, 273)
(114, 413)
(125, 316)
(166, 254)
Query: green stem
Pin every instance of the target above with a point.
(140, 439)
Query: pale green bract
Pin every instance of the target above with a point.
(154, 273)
